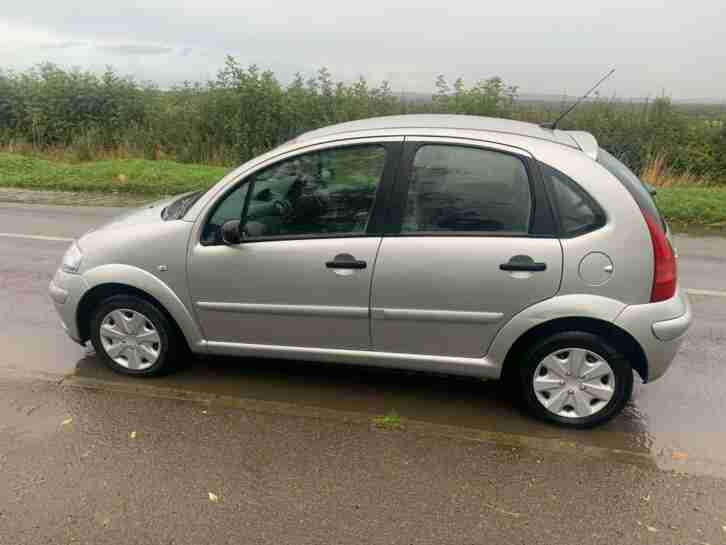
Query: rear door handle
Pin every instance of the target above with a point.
(523, 263)
(346, 261)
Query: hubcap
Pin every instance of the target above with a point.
(130, 339)
(574, 383)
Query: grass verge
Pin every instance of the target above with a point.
(699, 205)
(137, 176)
(688, 205)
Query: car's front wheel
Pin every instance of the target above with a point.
(132, 336)
(575, 379)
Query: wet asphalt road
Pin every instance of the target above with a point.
(79, 466)
(678, 420)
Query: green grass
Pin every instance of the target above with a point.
(390, 421)
(137, 176)
(682, 204)
(693, 205)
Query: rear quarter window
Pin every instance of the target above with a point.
(577, 211)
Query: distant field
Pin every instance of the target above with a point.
(690, 205)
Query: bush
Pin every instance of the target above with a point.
(246, 111)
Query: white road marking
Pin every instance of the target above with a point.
(36, 237)
(690, 291)
(707, 293)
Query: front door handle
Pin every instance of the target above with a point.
(345, 261)
(523, 263)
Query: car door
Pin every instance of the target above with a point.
(301, 276)
(472, 243)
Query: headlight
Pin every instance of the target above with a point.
(72, 259)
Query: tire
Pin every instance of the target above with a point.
(134, 337)
(591, 396)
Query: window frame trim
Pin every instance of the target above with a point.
(393, 146)
(542, 220)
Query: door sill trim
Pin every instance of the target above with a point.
(476, 367)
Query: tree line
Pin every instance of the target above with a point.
(245, 111)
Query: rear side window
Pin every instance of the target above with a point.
(631, 182)
(462, 189)
(578, 212)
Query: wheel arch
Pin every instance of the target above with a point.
(602, 328)
(104, 282)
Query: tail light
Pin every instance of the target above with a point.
(664, 261)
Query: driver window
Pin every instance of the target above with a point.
(324, 192)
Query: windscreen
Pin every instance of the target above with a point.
(179, 207)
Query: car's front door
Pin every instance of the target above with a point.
(301, 275)
(472, 245)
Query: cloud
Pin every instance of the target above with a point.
(546, 47)
(62, 45)
(134, 49)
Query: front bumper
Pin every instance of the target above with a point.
(659, 328)
(66, 291)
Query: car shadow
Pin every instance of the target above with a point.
(432, 398)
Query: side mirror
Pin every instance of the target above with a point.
(231, 233)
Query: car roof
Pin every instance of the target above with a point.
(573, 139)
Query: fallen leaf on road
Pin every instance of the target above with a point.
(132, 435)
(679, 455)
(213, 497)
(66, 421)
(651, 529)
(502, 511)
(204, 412)
(723, 528)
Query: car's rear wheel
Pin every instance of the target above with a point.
(132, 336)
(575, 379)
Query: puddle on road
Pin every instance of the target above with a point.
(433, 399)
(677, 419)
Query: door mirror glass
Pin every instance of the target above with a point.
(231, 232)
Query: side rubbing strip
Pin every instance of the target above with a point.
(287, 310)
(415, 315)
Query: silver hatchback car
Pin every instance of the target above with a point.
(455, 244)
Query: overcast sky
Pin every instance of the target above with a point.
(542, 46)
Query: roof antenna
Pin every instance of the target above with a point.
(554, 124)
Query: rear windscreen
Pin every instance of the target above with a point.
(631, 182)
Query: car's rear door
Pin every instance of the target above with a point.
(471, 242)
